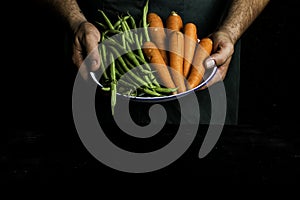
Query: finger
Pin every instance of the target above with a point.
(223, 52)
(78, 61)
(93, 57)
(77, 56)
(220, 74)
(209, 63)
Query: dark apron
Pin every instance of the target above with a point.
(207, 15)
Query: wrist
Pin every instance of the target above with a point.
(76, 21)
(228, 33)
(76, 25)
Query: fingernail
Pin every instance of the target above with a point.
(210, 63)
(94, 62)
(94, 65)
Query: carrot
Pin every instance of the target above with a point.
(190, 41)
(174, 22)
(176, 48)
(158, 34)
(203, 50)
(152, 53)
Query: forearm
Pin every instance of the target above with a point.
(69, 11)
(240, 16)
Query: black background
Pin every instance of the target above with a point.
(37, 125)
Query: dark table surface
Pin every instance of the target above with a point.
(243, 154)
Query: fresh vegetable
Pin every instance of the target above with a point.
(174, 22)
(113, 84)
(157, 34)
(137, 60)
(144, 21)
(152, 53)
(107, 20)
(176, 48)
(130, 72)
(190, 41)
(203, 50)
(127, 69)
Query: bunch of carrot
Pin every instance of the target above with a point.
(176, 45)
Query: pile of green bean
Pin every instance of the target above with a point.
(125, 69)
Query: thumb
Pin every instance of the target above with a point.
(93, 58)
(91, 37)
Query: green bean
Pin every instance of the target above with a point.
(126, 81)
(120, 68)
(136, 85)
(123, 54)
(118, 74)
(145, 76)
(123, 39)
(112, 42)
(113, 84)
(141, 38)
(151, 76)
(165, 90)
(107, 20)
(142, 60)
(102, 38)
(122, 75)
(151, 92)
(132, 94)
(126, 69)
(102, 52)
(145, 25)
(129, 64)
(128, 30)
(133, 57)
(138, 45)
(136, 68)
(132, 21)
(129, 80)
(106, 89)
(126, 26)
(126, 84)
(113, 31)
(118, 23)
(102, 25)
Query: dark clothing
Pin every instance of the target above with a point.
(207, 15)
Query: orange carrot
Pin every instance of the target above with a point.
(174, 22)
(176, 48)
(157, 62)
(157, 34)
(190, 42)
(203, 50)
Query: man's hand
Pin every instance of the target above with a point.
(240, 16)
(85, 48)
(221, 56)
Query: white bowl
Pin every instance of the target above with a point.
(209, 74)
